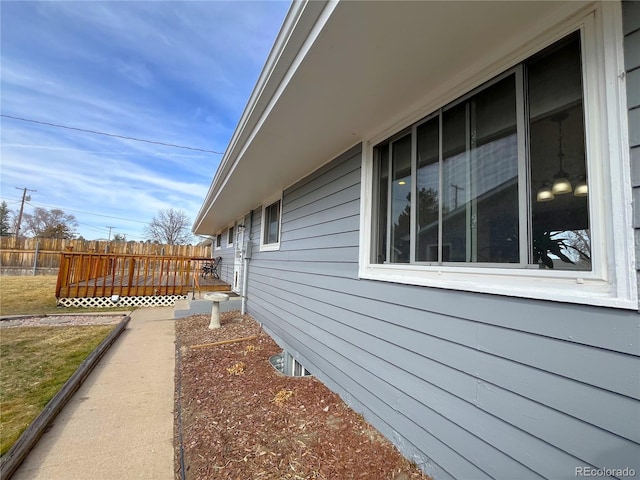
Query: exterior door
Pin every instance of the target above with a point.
(238, 257)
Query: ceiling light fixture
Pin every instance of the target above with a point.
(561, 183)
(545, 194)
(582, 189)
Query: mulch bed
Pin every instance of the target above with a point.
(238, 418)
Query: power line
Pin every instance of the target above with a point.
(91, 227)
(37, 204)
(88, 213)
(97, 152)
(102, 231)
(110, 134)
(81, 224)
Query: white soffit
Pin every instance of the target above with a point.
(369, 63)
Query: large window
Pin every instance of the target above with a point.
(497, 178)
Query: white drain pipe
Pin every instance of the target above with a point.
(245, 266)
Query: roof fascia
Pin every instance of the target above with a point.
(302, 24)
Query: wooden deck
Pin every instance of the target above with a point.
(85, 275)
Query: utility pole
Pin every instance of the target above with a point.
(24, 198)
(106, 247)
(457, 188)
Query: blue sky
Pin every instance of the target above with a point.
(172, 72)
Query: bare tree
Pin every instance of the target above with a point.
(52, 223)
(169, 226)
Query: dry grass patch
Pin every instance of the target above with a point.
(35, 364)
(35, 295)
(26, 295)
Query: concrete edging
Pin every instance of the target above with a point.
(11, 460)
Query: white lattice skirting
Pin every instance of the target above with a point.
(147, 301)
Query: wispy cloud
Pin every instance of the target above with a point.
(174, 72)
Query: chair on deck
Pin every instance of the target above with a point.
(212, 268)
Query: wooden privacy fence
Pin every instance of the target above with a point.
(44, 253)
(84, 275)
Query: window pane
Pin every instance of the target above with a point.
(454, 184)
(381, 167)
(272, 222)
(427, 191)
(560, 211)
(494, 154)
(401, 200)
(480, 173)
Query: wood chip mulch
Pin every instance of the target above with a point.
(238, 418)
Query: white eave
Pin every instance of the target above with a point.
(340, 71)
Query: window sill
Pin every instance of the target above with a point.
(569, 287)
(269, 247)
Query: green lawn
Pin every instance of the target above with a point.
(35, 362)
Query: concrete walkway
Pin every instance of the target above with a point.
(119, 424)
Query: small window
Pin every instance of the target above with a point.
(286, 364)
(271, 214)
(218, 241)
(230, 236)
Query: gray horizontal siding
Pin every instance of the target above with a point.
(630, 16)
(358, 389)
(635, 167)
(631, 30)
(633, 91)
(634, 125)
(451, 407)
(582, 325)
(228, 257)
(468, 385)
(462, 345)
(632, 50)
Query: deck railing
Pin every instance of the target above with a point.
(104, 275)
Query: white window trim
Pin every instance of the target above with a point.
(215, 242)
(612, 282)
(266, 247)
(230, 238)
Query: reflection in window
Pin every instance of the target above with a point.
(560, 210)
(401, 199)
(427, 191)
(382, 194)
(480, 164)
